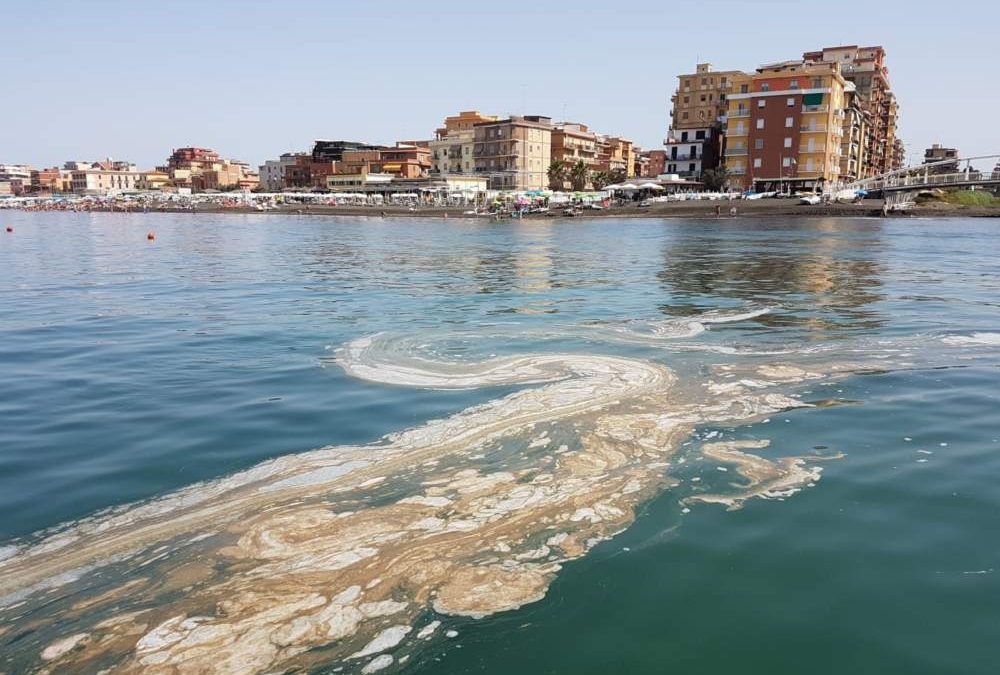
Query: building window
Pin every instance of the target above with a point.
(788, 142)
(790, 101)
(765, 87)
(758, 144)
(761, 102)
(702, 98)
(817, 82)
(684, 137)
(700, 135)
(794, 84)
(760, 124)
(786, 162)
(756, 163)
(789, 121)
(684, 115)
(744, 88)
(691, 168)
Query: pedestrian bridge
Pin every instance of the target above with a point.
(966, 172)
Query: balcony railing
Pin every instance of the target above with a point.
(740, 113)
(815, 108)
(683, 158)
(738, 131)
(813, 128)
(737, 171)
(816, 149)
(736, 152)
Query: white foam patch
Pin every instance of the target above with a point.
(992, 339)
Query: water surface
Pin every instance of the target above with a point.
(133, 369)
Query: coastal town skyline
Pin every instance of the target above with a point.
(260, 109)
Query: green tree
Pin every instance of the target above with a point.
(617, 176)
(557, 174)
(715, 179)
(578, 175)
(599, 179)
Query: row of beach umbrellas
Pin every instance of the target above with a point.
(632, 187)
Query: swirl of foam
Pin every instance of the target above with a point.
(339, 553)
(272, 540)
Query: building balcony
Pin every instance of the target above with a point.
(813, 129)
(815, 108)
(684, 158)
(814, 150)
(737, 171)
(740, 113)
(738, 131)
(737, 152)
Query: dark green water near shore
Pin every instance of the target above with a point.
(131, 369)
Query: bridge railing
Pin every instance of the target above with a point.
(931, 174)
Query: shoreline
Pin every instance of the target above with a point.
(693, 209)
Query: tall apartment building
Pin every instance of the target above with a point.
(865, 67)
(852, 143)
(694, 140)
(453, 144)
(573, 142)
(784, 127)
(615, 155)
(514, 153)
(898, 154)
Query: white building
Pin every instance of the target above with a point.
(15, 172)
(272, 172)
(104, 181)
(686, 150)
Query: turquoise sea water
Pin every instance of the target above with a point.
(130, 369)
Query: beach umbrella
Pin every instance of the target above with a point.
(652, 186)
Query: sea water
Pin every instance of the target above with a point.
(449, 446)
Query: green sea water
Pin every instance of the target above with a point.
(131, 369)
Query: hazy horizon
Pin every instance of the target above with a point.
(254, 79)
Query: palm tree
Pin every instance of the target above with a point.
(557, 174)
(579, 175)
(599, 179)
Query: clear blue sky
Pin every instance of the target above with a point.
(131, 80)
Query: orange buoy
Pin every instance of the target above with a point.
(151, 236)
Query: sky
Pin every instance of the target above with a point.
(131, 80)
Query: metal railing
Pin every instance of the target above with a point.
(737, 152)
(915, 177)
(812, 128)
(812, 150)
(815, 108)
(740, 113)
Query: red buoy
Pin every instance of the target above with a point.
(151, 236)
(10, 229)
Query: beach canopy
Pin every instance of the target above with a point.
(651, 186)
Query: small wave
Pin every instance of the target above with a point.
(974, 339)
